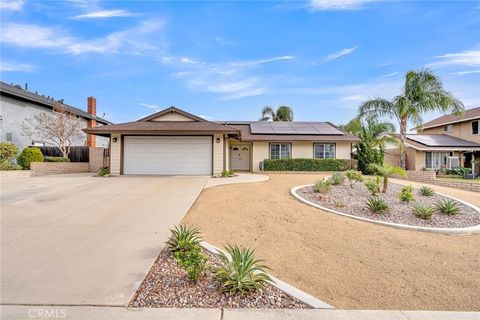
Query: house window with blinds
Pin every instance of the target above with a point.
(324, 150)
(280, 150)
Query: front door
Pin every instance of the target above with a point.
(240, 157)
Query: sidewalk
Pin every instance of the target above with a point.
(122, 313)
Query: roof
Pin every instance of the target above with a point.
(340, 134)
(440, 142)
(470, 114)
(248, 130)
(18, 93)
(144, 127)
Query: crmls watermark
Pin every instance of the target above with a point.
(47, 313)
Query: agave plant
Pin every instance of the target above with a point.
(377, 205)
(423, 212)
(182, 238)
(242, 272)
(448, 206)
(426, 191)
(322, 186)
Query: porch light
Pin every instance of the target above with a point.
(218, 140)
(114, 139)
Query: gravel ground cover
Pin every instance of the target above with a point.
(168, 286)
(352, 201)
(347, 263)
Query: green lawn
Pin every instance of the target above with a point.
(477, 180)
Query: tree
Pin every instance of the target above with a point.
(60, 128)
(422, 92)
(283, 113)
(373, 137)
(385, 172)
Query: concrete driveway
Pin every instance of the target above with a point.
(77, 239)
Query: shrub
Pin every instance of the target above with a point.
(406, 195)
(228, 173)
(322, 186)
(191, 259)
(56, 159)
(459, 171)
(353, 176)
(373, 185)
(426, 191)
(8, 151)
(182, 238)
(423, 212)
(7, 165)
(337, 178)
(29, 155)
(301, 164)
(377, 205)
(448, 206)
(242, 272)
(104, 171)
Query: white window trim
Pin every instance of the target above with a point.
(325, 143)
(280, 152)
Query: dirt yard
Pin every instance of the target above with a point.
(347, 263)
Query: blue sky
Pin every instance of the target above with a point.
(225, 60)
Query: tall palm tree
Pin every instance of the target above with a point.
(283, 113)
(422, 92)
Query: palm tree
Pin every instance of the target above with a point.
(283, 113)
(422, 92)
(385, 172)
(374, 135)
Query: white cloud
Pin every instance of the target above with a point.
(10, 66)
(128, 41)
(466, 58)
(232, 80)
(464, 73)
(14, 5)
(339, 54)
(103, 14)
(224, 41)
(388, 75)
(150, 106)
(329, 5)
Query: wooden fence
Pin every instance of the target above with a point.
(77, 154)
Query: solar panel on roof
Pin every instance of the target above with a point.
(441, 141)
(307, 128)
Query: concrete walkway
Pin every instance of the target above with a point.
(120, 313)
(240, 178)
(78, 239)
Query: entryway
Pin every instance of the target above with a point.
(240, 157)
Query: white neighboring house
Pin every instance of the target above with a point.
(18, 104)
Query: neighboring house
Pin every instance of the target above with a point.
(444, 142)
(176, 142)
(18, 104)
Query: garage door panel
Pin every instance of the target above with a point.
(168, 155)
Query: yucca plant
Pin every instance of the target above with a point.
(426, 191)
(337, 178)
(373, 185)
(241, 272)
(386, 171)
(423, 212)
(322, 186)
(182, 238)
(377, 205)
(353, 176)
(448, 206)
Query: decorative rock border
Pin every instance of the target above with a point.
(285, 287)
(459, 231)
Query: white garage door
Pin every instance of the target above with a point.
(168, 155)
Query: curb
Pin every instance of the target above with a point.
(281, 285)
(457, 231)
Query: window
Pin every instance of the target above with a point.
(8, 136)
(280, 150)
(436, 160)
(448, 128)
(324, 150)
(475, 127)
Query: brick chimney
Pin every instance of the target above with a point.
(92, 110)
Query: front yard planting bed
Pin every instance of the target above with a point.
(343, 198)
(168, 286)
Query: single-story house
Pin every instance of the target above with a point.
(175, 142)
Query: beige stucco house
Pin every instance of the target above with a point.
(444, 142)
(175, 142)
